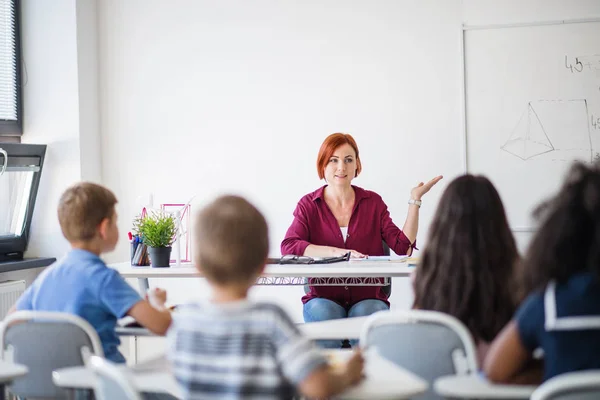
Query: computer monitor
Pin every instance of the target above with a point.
(20, 171)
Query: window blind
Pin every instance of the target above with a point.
(8, 61)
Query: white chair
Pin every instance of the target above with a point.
(112, 383)
(45, 341)
(583, 385)
(430, 344)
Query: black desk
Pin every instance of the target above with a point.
(27, 263)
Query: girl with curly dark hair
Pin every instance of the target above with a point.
(561, 271)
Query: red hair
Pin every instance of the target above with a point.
(330, 144)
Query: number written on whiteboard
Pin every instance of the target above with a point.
(581, 63)
(573, 65)
(595, 122)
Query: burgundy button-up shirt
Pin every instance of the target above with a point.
(370, 223)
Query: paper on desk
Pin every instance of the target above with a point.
(380, 258)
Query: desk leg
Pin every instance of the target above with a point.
(143, 285)
(133, 342)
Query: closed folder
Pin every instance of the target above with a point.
(291, 259)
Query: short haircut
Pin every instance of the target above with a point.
(231, 240)
(330, 144)
(82, 208)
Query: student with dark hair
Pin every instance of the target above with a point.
(561, 271)
(468, 264)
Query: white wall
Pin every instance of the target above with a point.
(60, 106)
(484, 12)
(51, 110)
(89, 119)
(200, 98)
(203, 97)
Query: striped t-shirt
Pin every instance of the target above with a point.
(239, 350)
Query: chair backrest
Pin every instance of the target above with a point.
(430, 344)
(45, 341)
(111, 382)
(582, 385)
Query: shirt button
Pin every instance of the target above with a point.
(348, 235)
(346, 287)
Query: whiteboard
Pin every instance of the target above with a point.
(532, 108)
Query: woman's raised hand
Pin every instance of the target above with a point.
(417, 192)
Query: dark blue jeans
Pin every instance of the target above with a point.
(320, 309)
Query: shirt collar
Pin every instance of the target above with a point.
(360, 193)
(82, 254)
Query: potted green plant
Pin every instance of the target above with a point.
(158, 230)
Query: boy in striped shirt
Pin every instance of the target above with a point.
(231, 348)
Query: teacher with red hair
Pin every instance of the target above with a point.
(338, 218)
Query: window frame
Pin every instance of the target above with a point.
(15, 128)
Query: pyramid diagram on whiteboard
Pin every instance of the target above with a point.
(529, 139)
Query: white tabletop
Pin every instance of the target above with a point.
(9, 371)
(359, 269)
(152, 376)
(344, 328)
(347, 328)
(383, 379)
(475, 387)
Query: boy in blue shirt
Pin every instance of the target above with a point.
(81, 283)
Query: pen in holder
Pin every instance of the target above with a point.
(139, 252)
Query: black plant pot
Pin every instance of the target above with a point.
(159, 256)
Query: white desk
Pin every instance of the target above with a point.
(349, 328)
(477, 387)
(349, 273)
(383, 379)
(9, 372)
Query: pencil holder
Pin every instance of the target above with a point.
(139, 254)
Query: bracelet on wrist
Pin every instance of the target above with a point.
(415, 202)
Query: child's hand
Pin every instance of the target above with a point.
(354, 368)
(157, 297)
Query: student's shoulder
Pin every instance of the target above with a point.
(101, 270)
(531, 307)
